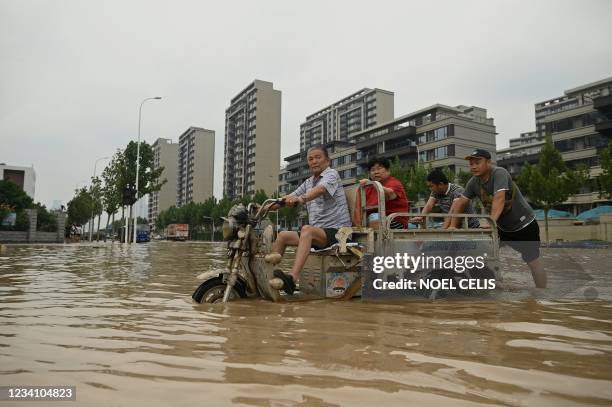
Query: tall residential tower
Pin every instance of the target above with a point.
(252, 141)
(195, 171)
(165, 154)
(340, 120)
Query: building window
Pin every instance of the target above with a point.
(441, 133)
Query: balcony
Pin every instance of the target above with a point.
(603, 104)
(295, 176)
(367, 140)
(604, 128)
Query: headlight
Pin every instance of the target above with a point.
(230, 229)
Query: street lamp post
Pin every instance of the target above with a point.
(138, 157)
(91, 227)
(276, 227)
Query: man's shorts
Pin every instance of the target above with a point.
(525, 241)
(330, 234)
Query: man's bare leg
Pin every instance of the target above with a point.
(538, 273)
(308, 236)
(283, 240)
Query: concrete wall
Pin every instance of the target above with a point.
(13, 237)
(565, 230)
(31, 235)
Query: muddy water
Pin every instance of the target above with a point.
(118, 323)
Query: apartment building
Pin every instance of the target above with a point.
(579, 125)
(165, 154)
(24, 177)
(439, 136)
(252, 141)
(195, 169)
(523, 149)
(352, 114)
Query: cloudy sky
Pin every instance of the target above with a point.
(73, 73)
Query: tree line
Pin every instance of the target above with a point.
(105, 193)
(200, 216)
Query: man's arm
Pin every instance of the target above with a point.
(293, 198)
(312, 194)
(426, 209)
(497, 206)
(458, 206)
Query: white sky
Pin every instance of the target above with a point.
(73, 73)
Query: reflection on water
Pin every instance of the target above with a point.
(118, 322)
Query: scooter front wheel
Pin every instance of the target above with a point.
(211, 291)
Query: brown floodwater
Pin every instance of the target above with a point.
(119, 324)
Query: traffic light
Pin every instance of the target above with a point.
(129, 195)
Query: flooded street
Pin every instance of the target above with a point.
(119, 324)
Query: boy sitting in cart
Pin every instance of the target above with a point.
(327, 208)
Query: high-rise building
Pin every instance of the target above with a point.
(252, 141)
(340, 120)
(579, 125)
(195, 170)
(165, 154)
(24, 177)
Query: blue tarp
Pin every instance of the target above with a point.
(553, 213)
(595, 212)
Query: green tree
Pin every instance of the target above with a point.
(95, 191)
(417, 184)
(13, 196)
(260, 196)
(148, 177)
(167, 217)
(462, 177)
(549, 182)
(14, 199)
(45, 220)
(112, 190)
(605, 179)
(413, 178)
(399, 171)
(79, 207)
(122, 172)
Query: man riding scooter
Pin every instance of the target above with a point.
(327, 208)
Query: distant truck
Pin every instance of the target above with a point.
(143, 233)
(178, 231)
